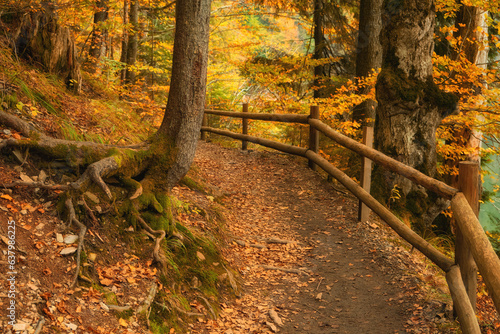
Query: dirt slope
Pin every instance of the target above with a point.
(344, 277)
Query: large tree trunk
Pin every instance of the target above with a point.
(369, 53)
(186, 101)
(410, 105)
(43, 41)
(133, 41)
(99, 34)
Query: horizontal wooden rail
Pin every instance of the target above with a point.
(486, 259)
(287, 118)
(261, 141)
(397, 225)
(400, 168)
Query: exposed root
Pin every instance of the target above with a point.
(40, 185)
(90, 213)
(39, 326)
(94, 173)
(149, 299)
(156, 252)
(81, 236)
(209, 306)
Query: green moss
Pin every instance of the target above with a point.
(411, 90)
(193, 185)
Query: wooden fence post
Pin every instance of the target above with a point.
(244, 143)
(204, 122)
(313, 135)
(366, 173)
(468, 184)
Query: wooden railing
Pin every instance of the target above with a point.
(475, 248)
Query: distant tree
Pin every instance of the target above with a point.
(368, 52)
(133, 41)
(99, 36)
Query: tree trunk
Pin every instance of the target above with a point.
(99, 34)
(42, 40)
(410, 105)
(369, 53)
(133, 41)
(180, 128)
(123, 56)
(320, 50)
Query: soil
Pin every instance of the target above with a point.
(291, 236)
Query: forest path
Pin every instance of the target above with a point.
(347, 279)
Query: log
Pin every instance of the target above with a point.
(391, 164)
(486, 259)
(287, 118)
(397, 225)
(461, 303)
(264, 142)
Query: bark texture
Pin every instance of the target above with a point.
(123, 56)
(181, 124)
(410, 105)
(41, 40)
(99, 33)
(133, 41)
(369, 52)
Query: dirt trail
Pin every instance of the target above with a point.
(346, 279)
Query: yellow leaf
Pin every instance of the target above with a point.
(7, 197)
(123, 322)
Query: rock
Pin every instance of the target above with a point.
(104, 306)
(26, 178)
(24, 212)
(7, 132)
(70, 239)
(42, 176)
(59, 238)
(200, 256)
(68, 251)
(92, 197)
(20, 326)
(71, 326)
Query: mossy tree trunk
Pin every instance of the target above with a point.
(410, 105)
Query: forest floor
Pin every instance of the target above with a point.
(304, 263)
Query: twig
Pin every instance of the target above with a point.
(89, 211)
(320, 280)
(35, 185)
(81, 236)
(39, 326)
(287, 270)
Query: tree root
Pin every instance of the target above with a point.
(157, 255)
(40, 185)
(81, 236)
(39, 325)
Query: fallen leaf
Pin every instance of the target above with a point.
(7, 197)
(106, 281)
(123, 322)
